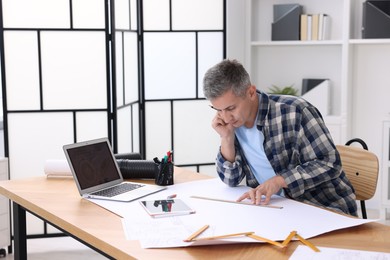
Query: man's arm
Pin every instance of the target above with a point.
(319, 161)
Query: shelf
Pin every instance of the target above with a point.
(323, 43)
(369, 41)
(296, 43)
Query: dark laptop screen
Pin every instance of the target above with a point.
(93, 164)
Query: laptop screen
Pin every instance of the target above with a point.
(93, 164)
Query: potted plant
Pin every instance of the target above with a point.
(287, 90)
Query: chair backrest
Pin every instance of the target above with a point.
(362, 169)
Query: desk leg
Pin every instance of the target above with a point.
(20, 238)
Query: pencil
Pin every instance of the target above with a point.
(256, 237)
(223, 236)
(306, 242)
(197, 233)
(289, 237)
(237, 202)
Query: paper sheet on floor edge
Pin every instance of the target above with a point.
(304, 252)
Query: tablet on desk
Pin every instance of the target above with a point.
(166, 207)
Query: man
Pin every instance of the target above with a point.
(279, 143)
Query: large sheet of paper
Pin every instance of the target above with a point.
(223, 218)
(326, 253)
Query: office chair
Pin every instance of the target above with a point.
(362, 168)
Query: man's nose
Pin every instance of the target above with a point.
(226, 115)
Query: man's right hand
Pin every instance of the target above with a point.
(224, 129)
(226, 132)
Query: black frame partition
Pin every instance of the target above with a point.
(37, 119)
(178, 100)
(69, 73)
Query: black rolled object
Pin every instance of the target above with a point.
(129, 156)
(137, 169)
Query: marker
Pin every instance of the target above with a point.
(169, 155)
(171, 196)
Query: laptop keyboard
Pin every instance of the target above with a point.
(119, 189)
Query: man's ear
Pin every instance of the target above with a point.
(252, 91)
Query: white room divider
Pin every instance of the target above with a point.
(129, 70)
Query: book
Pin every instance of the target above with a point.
(321, 27)
(326, 27)
(309, 26)
(303, 28)
(166, 207)
(315, 27)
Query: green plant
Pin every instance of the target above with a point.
(287, 90)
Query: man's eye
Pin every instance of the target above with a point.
(230, 109)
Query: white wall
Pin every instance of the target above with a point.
(236, 30)
(371, 106)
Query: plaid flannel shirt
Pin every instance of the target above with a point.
(300, 149)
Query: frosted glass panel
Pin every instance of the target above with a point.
(88, 13)
(119, 69)
(124, 130)
(74, 70)
(170, 62)
(35, 138)
(91, 125)
(194, 139)
(36, 13)
(209, 170)
(136, 135)
(122, 15)
(131, 67)
(158, 129)
(22, 71)
(133, 15)
(210, 52)
(197, 14)
(156, 14)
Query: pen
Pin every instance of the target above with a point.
(171, 196)
(169, 154)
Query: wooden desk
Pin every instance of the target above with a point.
(58, 202)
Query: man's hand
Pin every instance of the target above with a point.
(226, 132)
(267, 189)
(224, 129)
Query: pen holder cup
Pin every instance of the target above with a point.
(165, 174)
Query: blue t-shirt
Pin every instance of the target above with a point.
(251, 141)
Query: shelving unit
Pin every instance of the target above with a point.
(357, 69)
(301, 59)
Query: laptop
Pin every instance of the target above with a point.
(97, 174)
